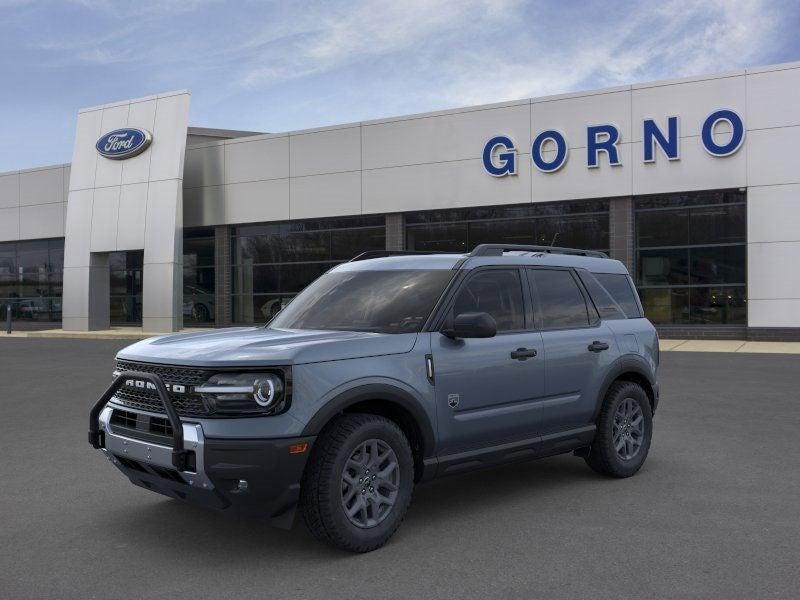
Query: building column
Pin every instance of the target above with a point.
(222, 276)
(86, 304)
(620, 231)
(395, 232)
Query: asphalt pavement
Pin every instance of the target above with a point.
(714, 513)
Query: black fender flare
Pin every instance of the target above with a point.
(377, 392)
(631, 363)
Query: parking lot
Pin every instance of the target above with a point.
(713, 514)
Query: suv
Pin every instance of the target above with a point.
(388, 370)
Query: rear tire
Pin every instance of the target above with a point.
(361, 464)
(624, 431)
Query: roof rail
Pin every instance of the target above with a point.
(384, 253)
(499, 249)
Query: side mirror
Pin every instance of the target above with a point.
(472, 325)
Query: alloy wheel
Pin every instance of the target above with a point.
(628, 429)
(370, 483)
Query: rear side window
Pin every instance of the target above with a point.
(606, 305)
(560, 302)
(621, 290)
(497, 292)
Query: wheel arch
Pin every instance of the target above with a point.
(628, 368)
(387, 401)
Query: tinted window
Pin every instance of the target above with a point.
(619, 286)
(561, 302)
(380, 301)
(606, 305)
(497, 292)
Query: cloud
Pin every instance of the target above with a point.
(275, 65)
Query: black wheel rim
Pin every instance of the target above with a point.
(370, 483)
(628, 429)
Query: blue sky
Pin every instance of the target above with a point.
(276, 66)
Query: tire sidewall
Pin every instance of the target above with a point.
(392, 436)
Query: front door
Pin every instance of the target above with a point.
(487, 389)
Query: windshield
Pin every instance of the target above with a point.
(392, 301)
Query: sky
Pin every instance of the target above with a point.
(279, 66)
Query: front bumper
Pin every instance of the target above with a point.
(256, 477)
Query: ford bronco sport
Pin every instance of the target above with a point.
(388, 370)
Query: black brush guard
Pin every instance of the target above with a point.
(95, 438)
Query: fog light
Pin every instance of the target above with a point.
(243, 485)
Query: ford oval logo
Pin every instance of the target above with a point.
(123, 143)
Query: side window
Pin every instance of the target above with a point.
(561, 303)
(606, 305)
(621, 290)
(497, 292)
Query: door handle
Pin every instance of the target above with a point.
(596, 346)
(523, 353)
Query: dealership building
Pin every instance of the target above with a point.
(693, 183)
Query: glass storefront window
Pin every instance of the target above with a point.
(199, 274)
(691, 254)
(125, 270)
(30, 279)
(271, 263)
(581, 224)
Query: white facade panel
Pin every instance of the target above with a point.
(692, 101)
(696, 170)
(109, 172)
(9, 224)
(43, 186)
(773, 213)
(443, 138)
(575, 180)
(9, 190)
(258, 160)
(329, 195)
(105, 216)
(131, 220)
(169, 137)
(79, 213)
(76, 285)
(41, 221)
(773, 99)
(442, 185)
(85, 157)
(257, 201)
(159, 296)
(773, 156)
(778, 312)
(326, 151)
(572, 115)
(162, 234)
(770, 267)
(141, 115)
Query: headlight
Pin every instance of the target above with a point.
(243, 393)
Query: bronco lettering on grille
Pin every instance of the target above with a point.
(146, 385)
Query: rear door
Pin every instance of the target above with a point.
(578, 348)
(487, 389)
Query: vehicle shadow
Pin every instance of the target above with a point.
(200, 535)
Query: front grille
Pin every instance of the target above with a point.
(186, 405)
(141, 426)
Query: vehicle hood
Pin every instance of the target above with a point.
(257, 346)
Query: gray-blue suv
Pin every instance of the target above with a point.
(388, 370)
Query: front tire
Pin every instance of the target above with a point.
(358, 484)
(624, 431)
